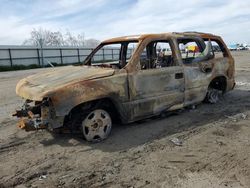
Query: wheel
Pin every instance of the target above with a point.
(213, 95)
(97, 125)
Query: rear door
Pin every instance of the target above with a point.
(196, 81)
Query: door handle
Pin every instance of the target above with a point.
(179, 75)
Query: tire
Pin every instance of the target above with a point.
(213, 95)
(97, 125)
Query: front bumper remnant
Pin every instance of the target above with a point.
(29, 124)
(28, 120)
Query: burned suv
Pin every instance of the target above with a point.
(127, 79)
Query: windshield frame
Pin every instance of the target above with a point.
(123, 52)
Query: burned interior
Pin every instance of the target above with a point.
(140, 76)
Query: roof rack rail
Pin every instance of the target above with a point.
(197, 32)
(191, 32)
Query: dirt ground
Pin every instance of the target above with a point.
(215, 150)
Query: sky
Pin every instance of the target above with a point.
(102, 19)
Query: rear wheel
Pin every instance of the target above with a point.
(213, 95)
(97, 125)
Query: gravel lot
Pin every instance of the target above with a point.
(215, 150)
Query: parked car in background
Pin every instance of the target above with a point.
(233, 47)
(238, 47)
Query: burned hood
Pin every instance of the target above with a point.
(37, 86)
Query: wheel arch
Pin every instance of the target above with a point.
(219, 82)
(106, 103)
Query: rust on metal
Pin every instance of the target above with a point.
(135, 92)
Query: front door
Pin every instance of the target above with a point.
(159, 85)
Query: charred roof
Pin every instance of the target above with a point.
(143, 36)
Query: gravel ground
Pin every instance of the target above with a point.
(215, 150)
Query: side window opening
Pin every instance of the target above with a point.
(190, 50)
(157, 54)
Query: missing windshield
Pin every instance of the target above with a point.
(113, 55)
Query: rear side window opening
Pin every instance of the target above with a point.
(217, 47)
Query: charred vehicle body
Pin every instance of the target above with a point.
(149, 74)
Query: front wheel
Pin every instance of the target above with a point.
(97, 125)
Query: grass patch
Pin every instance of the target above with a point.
(18, 67)
(32, 66)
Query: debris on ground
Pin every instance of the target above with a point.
(236, 117)
(42, 177)
(244, 116)
(231, 117)
(176, 141)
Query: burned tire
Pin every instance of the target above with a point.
(97, 125)
(213, 95)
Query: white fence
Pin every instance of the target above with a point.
(23, 55)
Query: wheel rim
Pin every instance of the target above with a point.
(213, 95)
(97, 125)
